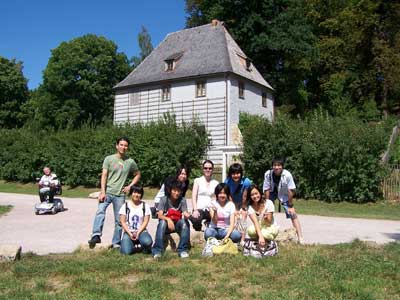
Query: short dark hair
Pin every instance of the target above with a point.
(278, 160)
(235, 168)
(171, 183)
(136, 189)
(222, 187)
(207, 161)
(122, 138)
(249, 189)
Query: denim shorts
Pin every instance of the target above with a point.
(285, 205)
(288, 215)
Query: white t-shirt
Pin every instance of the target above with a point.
(205, 192)
(160, 194)
(268, 208)
(223, 214)
(134, 214)
(285, 184)
(48, 180)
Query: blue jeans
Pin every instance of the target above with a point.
(128, 246)
(117, 202)
(182, 227)
(220, 233)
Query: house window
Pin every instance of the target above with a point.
(244, 61)
(201, 88)
(169, 65)
(241, 89)
(172, 60)
(166, 93)
(134, 99)
(264, 99)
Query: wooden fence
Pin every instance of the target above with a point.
(391, 184)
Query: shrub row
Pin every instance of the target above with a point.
(77, 155)
(331, 158)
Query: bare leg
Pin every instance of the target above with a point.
(296, 225)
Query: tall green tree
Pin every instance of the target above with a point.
(275, 34)
(77, 83)
(145, 45)
(342, 55)
(13, 92)
(386, 50)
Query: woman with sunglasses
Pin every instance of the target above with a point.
(202, 194)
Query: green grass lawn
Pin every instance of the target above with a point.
(345, 271)
(379, 210)
(5, 209)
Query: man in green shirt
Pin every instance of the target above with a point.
(116, 169)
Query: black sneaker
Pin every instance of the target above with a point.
(93, 241)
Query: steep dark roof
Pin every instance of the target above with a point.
(198, 51)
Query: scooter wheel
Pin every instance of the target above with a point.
(53, 210)
(36, 212)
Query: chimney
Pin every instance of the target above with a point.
(214, 22)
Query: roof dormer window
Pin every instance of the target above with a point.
(170, 61)
(244, 61)
(248, 64)
(169, 64)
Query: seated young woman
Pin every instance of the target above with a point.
(223, 219)
(261, 213)
(134, 216)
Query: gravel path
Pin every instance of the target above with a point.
(67, 230)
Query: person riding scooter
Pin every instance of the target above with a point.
(49, 185)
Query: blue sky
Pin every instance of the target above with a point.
(29, 29)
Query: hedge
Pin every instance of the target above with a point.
(76, 156)
(331, 158)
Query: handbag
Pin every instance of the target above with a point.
(208, 247)
(252, 248)
(174, 214)
(226, 246)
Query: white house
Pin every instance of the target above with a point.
(197, 72)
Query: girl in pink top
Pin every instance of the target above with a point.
(222, 212)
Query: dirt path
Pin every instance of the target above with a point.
(65, 231)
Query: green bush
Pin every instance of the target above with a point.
(77, 155)
(331, 158)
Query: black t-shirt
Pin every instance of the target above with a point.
(275, 180)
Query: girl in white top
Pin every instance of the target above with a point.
(202, 194)
(261, 213)
(223, 218)
(134, 217)
(182, 175)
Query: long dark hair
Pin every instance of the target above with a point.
(249, 189)
(185, 184)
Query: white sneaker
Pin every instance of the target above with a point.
(157, 256)
(301, 241)
(184, 254)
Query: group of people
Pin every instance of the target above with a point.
(217, 207)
